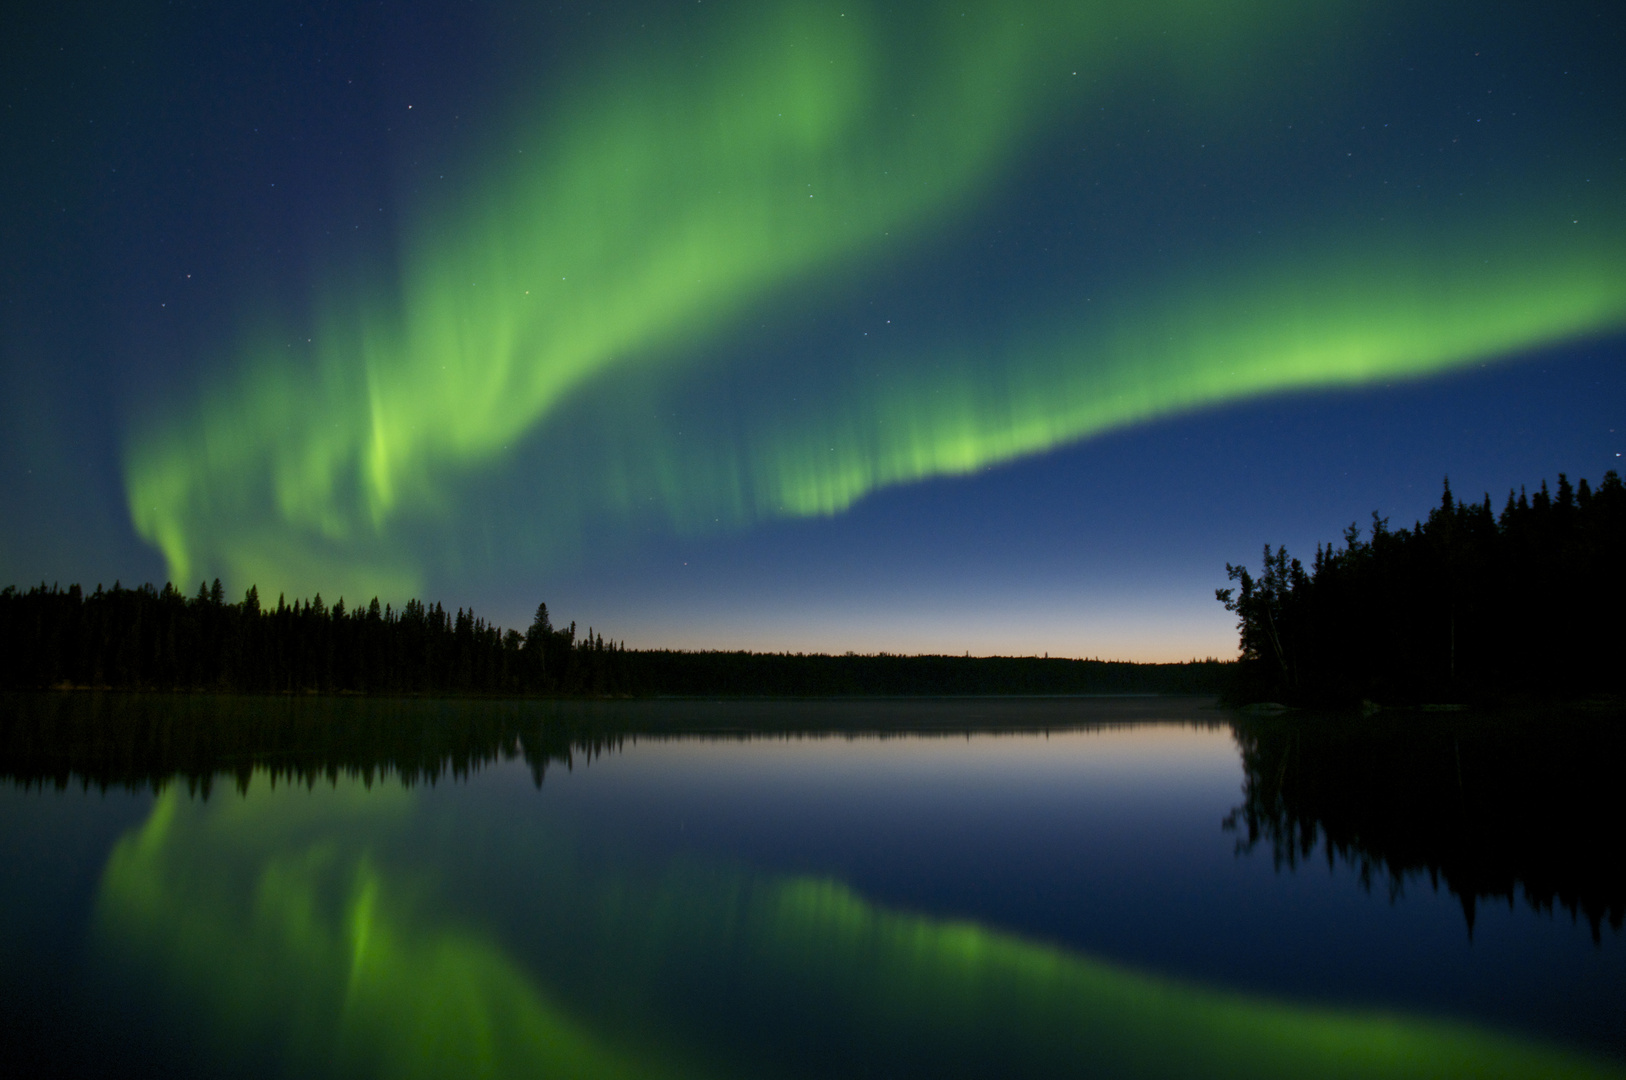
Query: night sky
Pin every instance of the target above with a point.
(906, 327)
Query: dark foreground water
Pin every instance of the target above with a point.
(1131, 887)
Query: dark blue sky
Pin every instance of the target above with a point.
(1090, 311)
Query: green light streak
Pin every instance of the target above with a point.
(643, 220)
(631, 226)
(309, 925)
(651, 217)
(1061, 1014)
(1353, 314)
(310, 952)
(1315, 309)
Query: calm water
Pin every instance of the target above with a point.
(1133, 887)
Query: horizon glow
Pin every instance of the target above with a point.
(550, 340)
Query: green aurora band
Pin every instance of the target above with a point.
(312, 928)
(1368, 312)
(638, 226)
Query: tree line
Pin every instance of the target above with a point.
(754, 674)
(1465, 606)
(160, 639)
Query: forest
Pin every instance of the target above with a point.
(1466, 607)
(161, 640)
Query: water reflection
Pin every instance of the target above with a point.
(1492, 807)
(315, 920)
(148, 741)
(343, 931)
(272, 919)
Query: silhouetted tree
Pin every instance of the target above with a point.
(1459, 606)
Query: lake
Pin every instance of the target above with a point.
(1135, 887)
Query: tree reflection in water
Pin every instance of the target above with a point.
(352, 929)
(149, 741)
(348, 932)
(1492, 806)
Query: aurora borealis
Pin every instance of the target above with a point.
(319, 930)
(568, 302)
